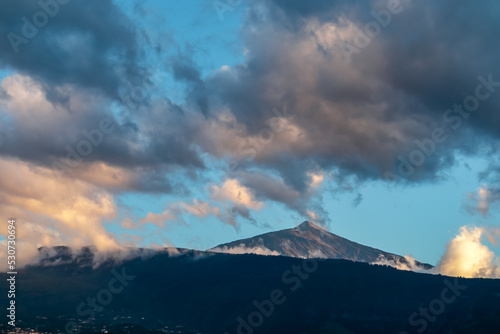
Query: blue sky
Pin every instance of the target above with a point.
(418, 219)
(415, 220)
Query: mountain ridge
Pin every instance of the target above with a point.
(306, 240)
(309, 240)
(209, 294)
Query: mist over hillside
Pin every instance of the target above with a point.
(209, 292)
(309, 240)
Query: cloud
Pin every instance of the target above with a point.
(157, 219)
(410, 264)
(252, 189)
(230, 214)
(70, 138)
(357, 200)
(483, 201)
(268, 187)
(466, 255)
(360, 116)
(233, 191)
(52, 212)
(259, 250)
(174, 212)
(293, 112)
(73, 47)
(313, 216)
(316, 180)
(178, 213)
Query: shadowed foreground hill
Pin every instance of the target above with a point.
(208, 292)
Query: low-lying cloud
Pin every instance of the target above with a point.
(467, 256)
(410, 264)
(242, 249)
(53, 212)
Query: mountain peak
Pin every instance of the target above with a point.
(307, 225)
(309, 240)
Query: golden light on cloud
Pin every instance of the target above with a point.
(232, 190)
(316, 180)
(53, 211)
(173, 213)
(312, 215)
(466, 256)
(482, 204)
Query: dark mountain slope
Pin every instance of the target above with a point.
(208, 292)
(309, 240)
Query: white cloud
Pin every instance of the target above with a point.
(52, 212)
(466, 255)
(232, 190)
(241, 249)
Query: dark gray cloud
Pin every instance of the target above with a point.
(356, 118)
(89, 63)
(269, 187)
(156, 143)
(357, 200)
(361, 115)
(230, 215)
(87, 43)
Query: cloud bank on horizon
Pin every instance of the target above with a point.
(329, 95)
